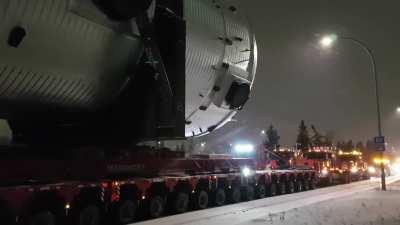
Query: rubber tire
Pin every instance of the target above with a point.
(201, 200)
(306, 185)
(313, 184)
(330, 180)
(181, 202)
(299, 186)
(347, 179)
(44, 217)
(234, 195)
(89, 215)
(282, 188)
(156, 207)
(290, 187)
(126, 211)
(261, 191)
(219, 197)
(272, 189)
(249, 193)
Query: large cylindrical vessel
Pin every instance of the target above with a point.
(73, 64)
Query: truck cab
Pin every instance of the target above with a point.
(352, 163)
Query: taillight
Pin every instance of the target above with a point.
(115, 191)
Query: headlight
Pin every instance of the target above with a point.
(324, 171)
(371, 169)
(246, 171)
(354, 169)
(243, 148)
(395, 168)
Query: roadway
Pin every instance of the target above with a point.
(274, 210)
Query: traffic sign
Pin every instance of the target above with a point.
(379, 143)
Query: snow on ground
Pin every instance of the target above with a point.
(373, 207)
(359, 203)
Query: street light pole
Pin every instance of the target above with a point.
(327, 41)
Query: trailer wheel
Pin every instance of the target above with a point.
(261, 191)
(156, 206)
(272, 189)
(234, 195)
(299, 186)
(126, 211)
(313, 184)
(347, 178)
(219, 197)
(290, 187)
(330, 180)
(282, 188)
(306, 185)
(201, 200)
(89, 215)
(249, 193)
(44, 217)
(181, 202)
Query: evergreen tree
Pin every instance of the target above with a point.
(349, 145)
(329, 138)
(318, 139)
(272, 140)
(370, 150)
(303, 139)
(370, 146)
(328, 142)
(360, 146)
(339, 145)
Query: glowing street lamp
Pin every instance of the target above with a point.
(328, 40)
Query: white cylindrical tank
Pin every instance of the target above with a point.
(60, 58)
(221, 55)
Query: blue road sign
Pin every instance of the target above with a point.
(380, 144)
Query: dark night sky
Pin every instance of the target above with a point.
(331, 89)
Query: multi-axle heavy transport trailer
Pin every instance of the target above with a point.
(149, 184)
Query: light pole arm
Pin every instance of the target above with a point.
(375, 74)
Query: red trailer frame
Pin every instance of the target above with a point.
(73, 191)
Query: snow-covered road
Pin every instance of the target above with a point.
(303, 208)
